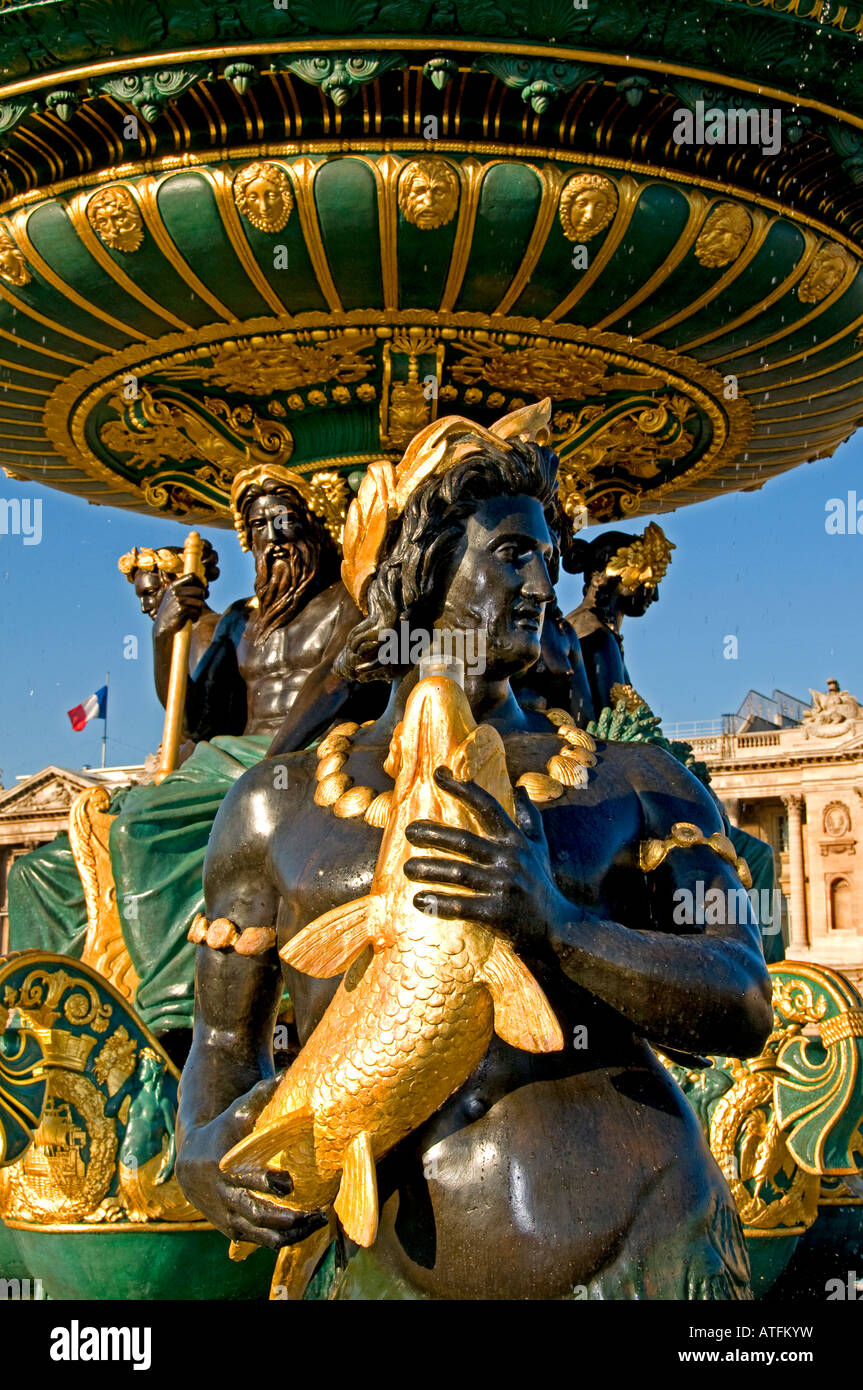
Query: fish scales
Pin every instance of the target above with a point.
(421, 995)
(341, 1090)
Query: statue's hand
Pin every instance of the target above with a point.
(182, 602)
(241, 1209)
(509, 875)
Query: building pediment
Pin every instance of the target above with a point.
(49, 792)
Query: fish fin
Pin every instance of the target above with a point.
(263, 1144)
(523, 1016)
(357, 1201)
(328, 945)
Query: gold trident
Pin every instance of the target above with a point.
(175, 705)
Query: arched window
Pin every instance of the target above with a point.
(841, 916)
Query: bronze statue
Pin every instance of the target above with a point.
(264, 647)
(559, 679)
(262, 653)
(622, 575)
(580, 1173)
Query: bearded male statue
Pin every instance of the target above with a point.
(576, 1173)
(261, 655)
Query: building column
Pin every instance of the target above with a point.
(796, 872)
(732, 810)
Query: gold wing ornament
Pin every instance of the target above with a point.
(385, 489)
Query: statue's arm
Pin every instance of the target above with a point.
(604, 666)
(166, 1167)
(113, 1103)
(229, 1074)
(215, 693)
(692, 989)
(700, 987)
(581, 703)
(182, 602)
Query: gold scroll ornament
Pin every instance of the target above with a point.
(176, 704)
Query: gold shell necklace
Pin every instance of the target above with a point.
(336, 788)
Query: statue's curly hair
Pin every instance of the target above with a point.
(407, 584)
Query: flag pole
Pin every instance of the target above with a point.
(105, 721)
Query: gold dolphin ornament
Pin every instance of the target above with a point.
(422, 995)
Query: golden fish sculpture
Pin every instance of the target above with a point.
(422, 994)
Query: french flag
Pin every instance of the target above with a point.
(94, 707)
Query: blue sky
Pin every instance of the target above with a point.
(759, 566)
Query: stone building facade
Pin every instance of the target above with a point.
(799, 786)
(36, 809)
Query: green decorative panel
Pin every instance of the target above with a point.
(487, 192)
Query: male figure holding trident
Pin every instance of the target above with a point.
(544, 1174)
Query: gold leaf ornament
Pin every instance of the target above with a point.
(723, 236)
(115, 218)
(645, 561)
(13, 267)
(826, 272)
(384, 491)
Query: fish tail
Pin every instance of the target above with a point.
(523, 1016)
(295, 1264)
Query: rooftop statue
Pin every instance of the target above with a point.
(832, 714)
(460, 535)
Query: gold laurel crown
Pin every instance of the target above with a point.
(325, 494)
(384, 491)
(645, 561)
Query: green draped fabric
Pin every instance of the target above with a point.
(46, 898)
(158, 842)
(46, 901)
(157, 845)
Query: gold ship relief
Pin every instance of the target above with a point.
(102, 1152)
(54, 1157)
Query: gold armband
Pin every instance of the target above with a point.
(222, 935)
(685, 835)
